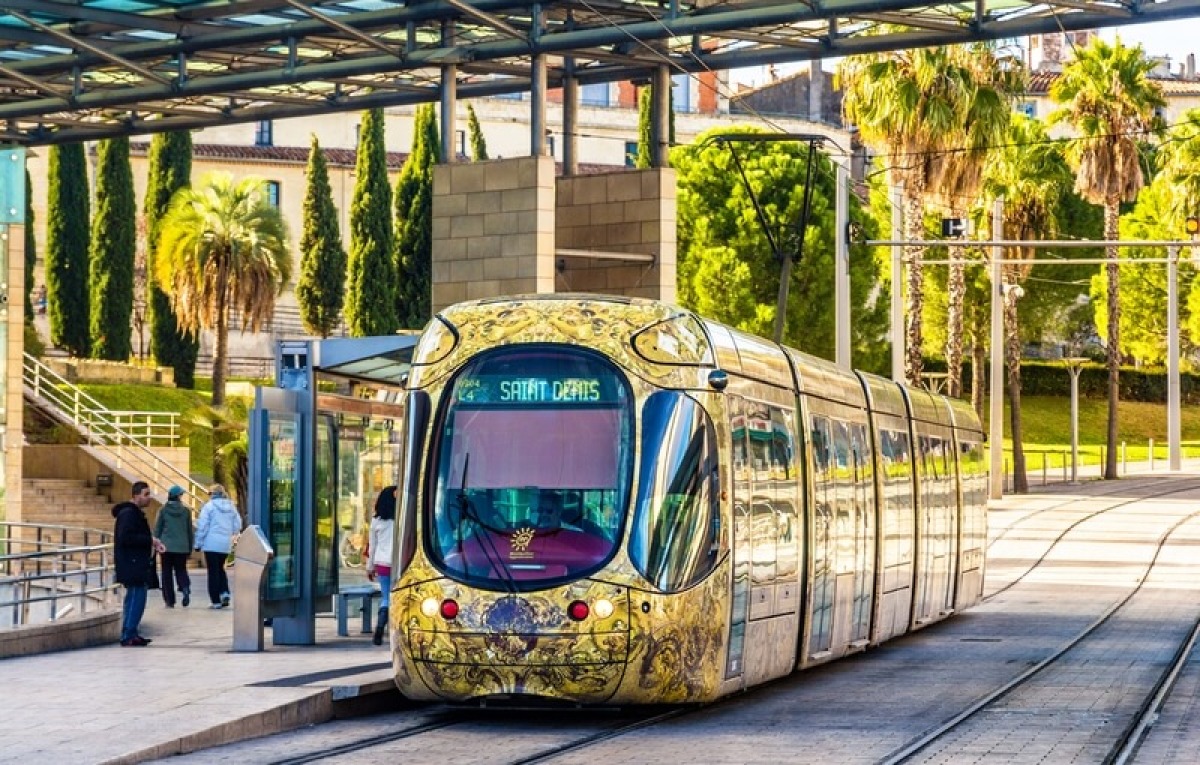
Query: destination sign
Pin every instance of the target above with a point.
(503, 389)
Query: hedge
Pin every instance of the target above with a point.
(1052, 379)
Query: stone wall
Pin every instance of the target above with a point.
(493, 229)
(13, 315)
(97, 371)
(626, 211)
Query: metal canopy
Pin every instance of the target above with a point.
(74, 70)
(383, 359)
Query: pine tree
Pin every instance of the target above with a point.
(30, 250)
(170, 160)
(114, 239)
(370, 289)
(322, 287)
(67, 249)
(478, 145)
(414, 222)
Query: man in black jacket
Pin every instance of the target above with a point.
(133, 551)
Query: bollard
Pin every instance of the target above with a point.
(252, 554)
(1124, 459)
(1151, 455)
(1044, 458)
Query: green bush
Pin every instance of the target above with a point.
(1050, 378)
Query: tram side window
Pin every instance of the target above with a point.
(676, 536)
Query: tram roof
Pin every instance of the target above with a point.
(385, 359)
(73, 70)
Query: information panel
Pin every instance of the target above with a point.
(283, 504)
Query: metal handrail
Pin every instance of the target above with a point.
(63, 570)
(102, 428)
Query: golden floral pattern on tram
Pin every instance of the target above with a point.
(502, 643)
(678, 647)
(595, 322)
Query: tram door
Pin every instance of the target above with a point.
(742, 538)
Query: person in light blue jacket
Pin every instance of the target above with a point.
(216, 530)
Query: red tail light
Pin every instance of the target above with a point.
(578, 610)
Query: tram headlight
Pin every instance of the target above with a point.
(603, 608)
(429, 607)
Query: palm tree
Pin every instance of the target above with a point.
(911, 104)
(1179, 157)
(222, 246)
(1030, 174)
(1109, 100)
(956, 176)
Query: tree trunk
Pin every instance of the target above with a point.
(1013, 360)
(221, 350)
(956, 290)
(1111, 232)
(914, 229)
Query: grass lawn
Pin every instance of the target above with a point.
(155, 398)
(1046, 427)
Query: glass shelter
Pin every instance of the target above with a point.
(324, 441)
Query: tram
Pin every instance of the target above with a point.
(611, 500)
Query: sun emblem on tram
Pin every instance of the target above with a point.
(520, 543)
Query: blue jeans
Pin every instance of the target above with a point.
(385, 589)
(132, 610)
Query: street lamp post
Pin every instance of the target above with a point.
(1074, 366)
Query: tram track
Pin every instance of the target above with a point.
(462, 720)
(1193, 483)
(1118, 487)
(1121, 747)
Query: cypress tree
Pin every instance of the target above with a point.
(67, 249)
(322, 286)
(414, 222)
(30, 250)
(478, 145)
(114, 239)
(645, 134)
(170, 160)
(370, 289)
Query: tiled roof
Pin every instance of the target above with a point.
(298, 155)
(271, 154)
(1040, 82)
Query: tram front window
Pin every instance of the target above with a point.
(533, 468)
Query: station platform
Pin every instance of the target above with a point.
(188, 691)
(185, 691)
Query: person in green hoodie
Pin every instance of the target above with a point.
(174, 527)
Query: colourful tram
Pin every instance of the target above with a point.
(614, 501)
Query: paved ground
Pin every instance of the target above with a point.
(185, 691)
(188, 690)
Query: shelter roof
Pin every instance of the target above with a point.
(75, 70)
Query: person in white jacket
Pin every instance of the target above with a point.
(218, 527)
(379, 554)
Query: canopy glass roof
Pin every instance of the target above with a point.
(81, 69)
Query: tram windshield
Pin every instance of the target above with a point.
(533, 467)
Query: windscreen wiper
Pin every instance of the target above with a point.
(487, 542)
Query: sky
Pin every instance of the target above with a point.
(1171, 38)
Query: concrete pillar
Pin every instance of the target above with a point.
(570, 124)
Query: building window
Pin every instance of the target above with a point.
(631, 152)
(461, 139)
(681, 92)
(1028, 108)
(273, 193)
(594, 95)
(262, 133)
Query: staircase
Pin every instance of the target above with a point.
(65, 502)
(124, 441)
